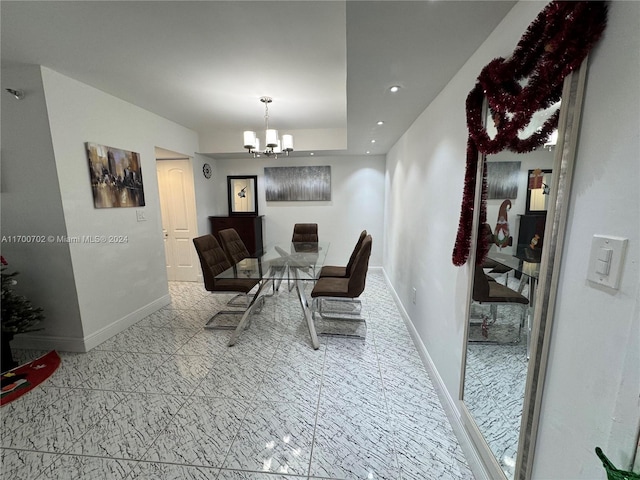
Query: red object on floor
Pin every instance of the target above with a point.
(24, 378)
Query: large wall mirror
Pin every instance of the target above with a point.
(513, 292)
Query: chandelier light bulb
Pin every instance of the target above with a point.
(287, 143)
(249, 140)
(271, 137)
(273, 144)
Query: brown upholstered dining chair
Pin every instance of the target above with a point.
(214, 261)
(305, 233)
(343, 289)
(235, 250)
(233, 246)
(339, 271)
(305, 239)
(487, 291)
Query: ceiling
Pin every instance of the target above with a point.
(327, 64)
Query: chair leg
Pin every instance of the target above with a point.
(224, 320)
(339, 307)
(339, 323)
(239, 300)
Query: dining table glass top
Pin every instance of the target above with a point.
(288, 260)
(530, 269)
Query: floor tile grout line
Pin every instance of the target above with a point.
(249, 403)
(279, 347)
(315, 423)
(182, 406)
(390, 418)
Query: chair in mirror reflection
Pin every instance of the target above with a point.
(214, 261)
(335, 304)
(487, 291)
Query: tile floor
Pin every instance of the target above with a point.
(167, 399)
(495, 383)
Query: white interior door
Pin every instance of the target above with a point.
(178, 209)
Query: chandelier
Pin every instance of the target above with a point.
(273, 145)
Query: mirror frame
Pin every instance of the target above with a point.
(243, 182)
(562, 173)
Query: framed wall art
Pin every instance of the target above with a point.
(502, 180)
(297, 183)
(243, 194)
(116, 177)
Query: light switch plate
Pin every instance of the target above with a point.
(140, 216)
(599, 246)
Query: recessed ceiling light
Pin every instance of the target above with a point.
(312, 153)
(394, 89)
(380, 122)
(373, 141)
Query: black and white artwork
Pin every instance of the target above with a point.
(297, 183)
(502, 180)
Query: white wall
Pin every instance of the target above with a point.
(591, 393)
(424, 180)
(117, 283)
(32, 205)
(357, 199)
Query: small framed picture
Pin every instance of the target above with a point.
(243, 195)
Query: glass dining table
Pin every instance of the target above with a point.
(293, 263)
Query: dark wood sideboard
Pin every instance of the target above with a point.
(248, 227)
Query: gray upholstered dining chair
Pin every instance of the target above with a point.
(343, 290)
(339, 271)
(214, 261)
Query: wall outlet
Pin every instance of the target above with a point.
(413, 295)
(140, 216)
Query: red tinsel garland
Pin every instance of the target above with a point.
(554, 45)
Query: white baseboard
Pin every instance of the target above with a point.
(449, 404)
(70, 344)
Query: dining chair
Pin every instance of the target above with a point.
(341, 272)
(235, 250)
(305, 233)
(233, 246)
(486, 291)
(343, 291)
(305, 239)
(214, 261)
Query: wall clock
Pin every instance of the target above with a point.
(206, 170)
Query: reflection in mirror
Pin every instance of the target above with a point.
(515, 275)
(539, 190)
(509, 311)
(501, 306)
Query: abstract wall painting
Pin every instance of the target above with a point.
(297, 183)
(116, 177)
(502, 179)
